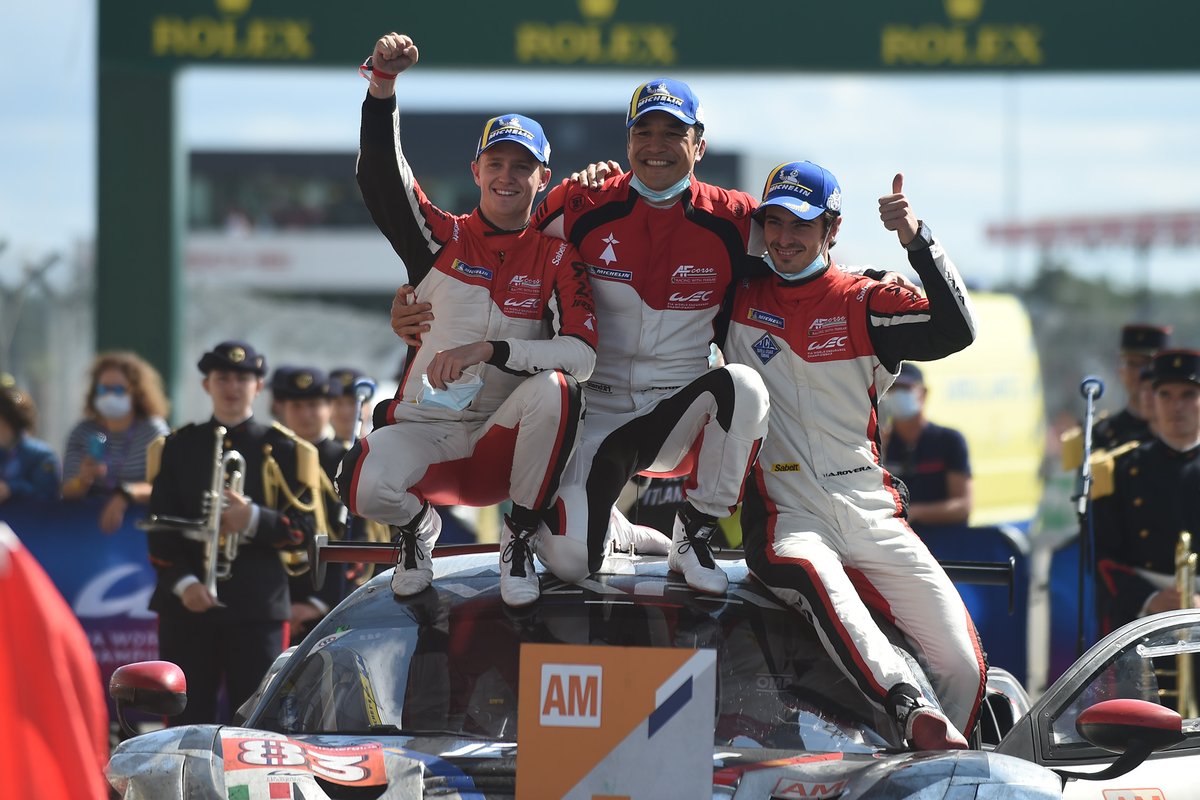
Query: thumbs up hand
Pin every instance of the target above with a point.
(896, 213)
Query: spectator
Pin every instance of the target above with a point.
(28, 467)
(930, 459)
(51, 696)
(106, 451)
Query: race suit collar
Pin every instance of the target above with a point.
(492, 229)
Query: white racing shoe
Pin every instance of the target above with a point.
(415, 540)
(519, 584)
(629, 537)
(691, 552)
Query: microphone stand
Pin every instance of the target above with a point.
(364, 390)
(1091, 388)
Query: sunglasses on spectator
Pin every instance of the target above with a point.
(104, 388)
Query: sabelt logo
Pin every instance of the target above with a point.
(688, 273)
(562, 248)
(571, 695)
(690, 299)
(789, 466)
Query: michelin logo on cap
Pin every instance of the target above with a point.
(664, 94)
(523, 130)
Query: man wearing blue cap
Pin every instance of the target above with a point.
(489, 405)
(235, 636)
(663, 249)
(819, 504)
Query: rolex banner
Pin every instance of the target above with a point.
(615, 722)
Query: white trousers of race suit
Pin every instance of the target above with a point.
(712, 428)
(805, 564)
(517, 453)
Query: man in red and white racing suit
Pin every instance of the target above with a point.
(489, 405)
(661, 249)
(820, 508)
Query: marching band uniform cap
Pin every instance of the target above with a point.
(341, 381)
(301, 383)
(1144, 338)
(1177, 366)
(234, 357)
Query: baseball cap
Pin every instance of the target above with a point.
(523, 130)
(803, 188)
(910, 375)
(664, 94)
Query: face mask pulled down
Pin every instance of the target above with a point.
(816, 265)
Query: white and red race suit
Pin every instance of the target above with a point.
(819, 505)
(659, 276)
(525, 292)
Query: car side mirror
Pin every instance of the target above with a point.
(155, 687)
(1133, 728)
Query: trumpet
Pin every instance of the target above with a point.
(221, 549)
(1184, 692)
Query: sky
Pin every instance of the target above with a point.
(975, 150)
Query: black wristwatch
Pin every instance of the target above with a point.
(122, 489)
(923, 239)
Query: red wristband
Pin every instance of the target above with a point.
(369, 70)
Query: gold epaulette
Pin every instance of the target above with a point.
(154, 458)
(1104, 468)
(308, 476)
(1072, 448)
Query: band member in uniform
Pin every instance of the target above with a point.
(305, 396)
(489, 405)
(1153, 496)
(234, 636)
(342, 381)
(1139, 343)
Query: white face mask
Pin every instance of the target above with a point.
(902, 403)
(113, 406)
(655, 196)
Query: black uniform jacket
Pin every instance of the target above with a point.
(258, 586)
(1156, 496)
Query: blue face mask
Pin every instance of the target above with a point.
(456, 396)
(654, 196)
(816, 265)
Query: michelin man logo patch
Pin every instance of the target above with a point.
(766, 348)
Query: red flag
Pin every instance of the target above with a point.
(53, 718)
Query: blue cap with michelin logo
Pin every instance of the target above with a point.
(664, 94)
(517, 128)
(803, 188)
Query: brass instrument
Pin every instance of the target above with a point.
(1185, 584)
(221, 549)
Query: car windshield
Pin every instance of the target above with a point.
(446, 661)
